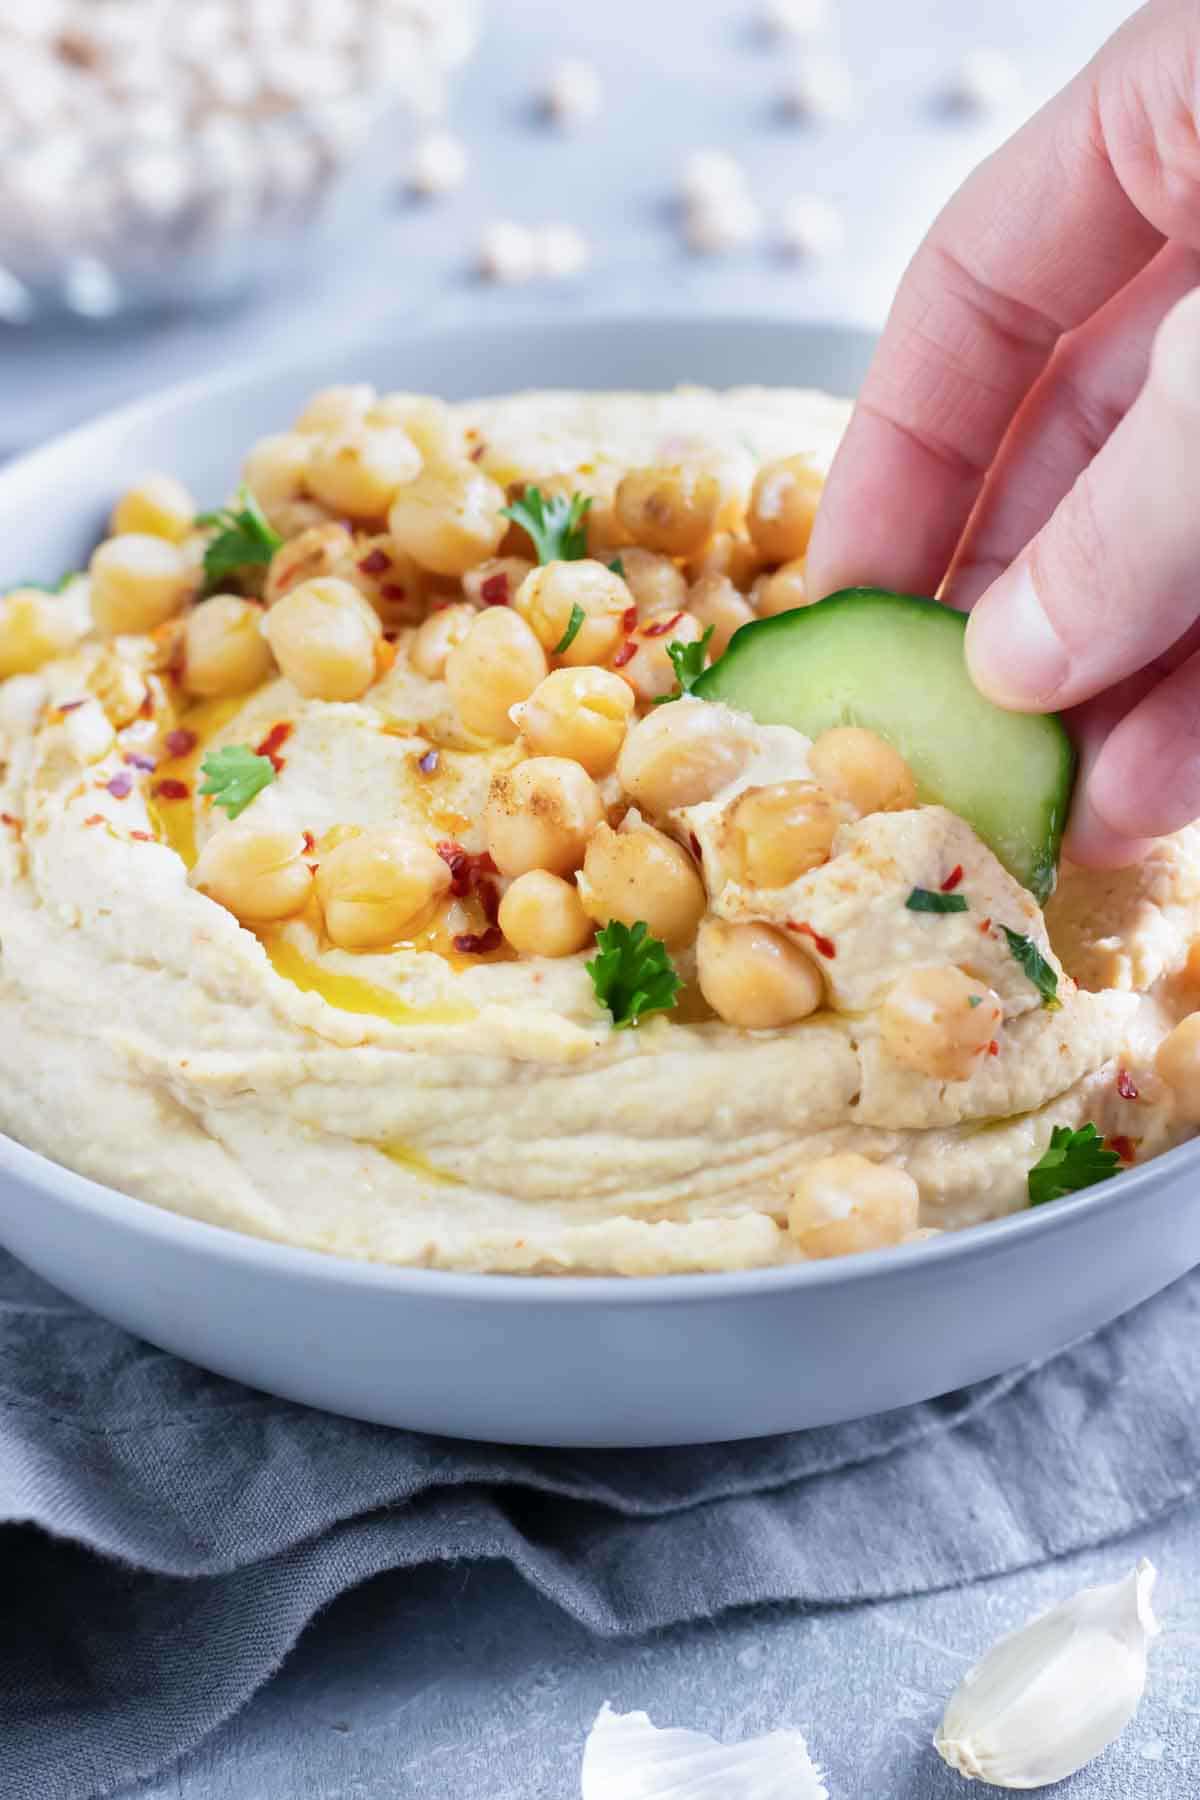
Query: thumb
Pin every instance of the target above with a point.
(1111, 581)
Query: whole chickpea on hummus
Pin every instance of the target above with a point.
(399, 861)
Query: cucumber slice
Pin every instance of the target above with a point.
(895, 664)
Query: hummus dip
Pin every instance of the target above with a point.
(297, 912)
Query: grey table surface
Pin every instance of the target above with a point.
(461, 1681)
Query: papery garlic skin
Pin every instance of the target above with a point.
(1048, 1698)
(626, 1757)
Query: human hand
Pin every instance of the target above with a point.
(1028, 437)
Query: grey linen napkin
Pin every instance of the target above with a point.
(169, 1534)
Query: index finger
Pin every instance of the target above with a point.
(1038, 238)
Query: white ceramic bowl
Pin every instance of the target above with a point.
(667, 1360)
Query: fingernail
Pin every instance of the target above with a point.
(1013, 651)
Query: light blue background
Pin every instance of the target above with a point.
(461, 1682)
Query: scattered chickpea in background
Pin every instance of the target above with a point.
(35, 627)
(820, 89)
(138, 582)
(671, 510)
(439, 166)
(157, 506)
(810, 228)
(847, 1203)
(938, 1022)
(571, 94)
(449, 517)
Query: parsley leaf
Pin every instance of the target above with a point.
(1072, 1160)
(243, 537)
(572, 632)
(1036, 967)
(687, 660)
(557, 525)
(234, 775)
(632, 975)
(618, 567)
(927, 900)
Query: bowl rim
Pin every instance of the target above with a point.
(320, 1267)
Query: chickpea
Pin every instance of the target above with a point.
(938, 1021)
(1178, 1064)
(728, 554)
(862, 769)
(542, 915)
(257, 872)
(672, 510)
(549, 595)
(753, 977)
(359, 473)
(714, 600)
(324, 635)
(118, 686)
(275, 473)
(385, 576)
(436, 636)
(656, 584)
(157, 506)
(580, 713)
(642, 874)
(34, 629)
(643, 660)
(497, 665)
(449, 518)
(780, 832)
(783, 505)
(321, 550)
(782, 591)
(336, 409)
(494, 582)
(429, 422)
(540, 815)
(373, 886)
(681, 754)
(138, 582)
(847, 1203)
(224, 648)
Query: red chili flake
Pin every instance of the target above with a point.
(146, 709)
(144, 837)
(393, 590)
(275, 738)
(1125, 1148)
(625, 654)
(429, 762)
(993, 1048)
(476, 454)
(95, 819)
(136, 760)
(180, 742)
(825, 945)
(478, 943)
(172, 790)
(694, 841)
(662, 627)
(8, 819)
(121, 785)
(310, 842)
(629, 619)
(466, 869)
(953, 878)
(375, 563)
(494, 591)
(489, 899)
(70, 705)
(1125, 1085)
(985, 926)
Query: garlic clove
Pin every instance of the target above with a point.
(1048, 1698)
(628, 1758)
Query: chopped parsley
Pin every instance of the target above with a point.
(557, 526)
(632, 974)
(1036, 967)
(234, 775)
(617, 567)
(53, 587)
(1072, 1160)
(930, 901)
(243, 537)
(574, 623)
(687, 660)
